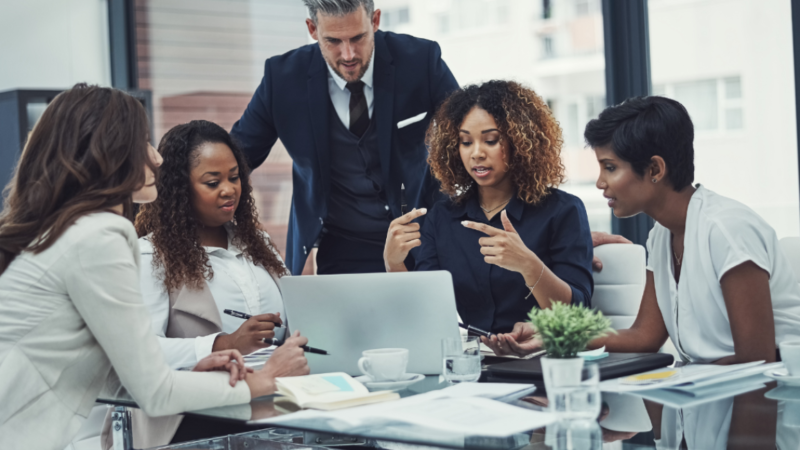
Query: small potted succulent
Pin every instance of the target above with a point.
(565, 330)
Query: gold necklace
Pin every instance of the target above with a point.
(487, 211)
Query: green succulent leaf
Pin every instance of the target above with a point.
(565, 329)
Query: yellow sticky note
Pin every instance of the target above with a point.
(647, 378)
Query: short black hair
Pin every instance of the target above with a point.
(642, 127)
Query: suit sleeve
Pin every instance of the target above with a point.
(571, 250)
(442, 84)
(255, 132)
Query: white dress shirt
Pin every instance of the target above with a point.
(71, 322)
(340, 95)
(238, 284)
(721, 234)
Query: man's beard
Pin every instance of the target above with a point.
(364, 67)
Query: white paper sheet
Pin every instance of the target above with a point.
(691, 375)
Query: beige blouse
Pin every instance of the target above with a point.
(71, 322)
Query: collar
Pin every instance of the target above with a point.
(367, 78)
(233, 249)
(471, 208)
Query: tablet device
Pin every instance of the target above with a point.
(347, 314)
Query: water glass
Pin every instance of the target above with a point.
(461, 359)
(576, 397)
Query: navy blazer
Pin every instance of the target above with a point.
(292, 103)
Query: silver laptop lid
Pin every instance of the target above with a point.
(347, 314)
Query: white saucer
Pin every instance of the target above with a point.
(782, 375)
(398, 385)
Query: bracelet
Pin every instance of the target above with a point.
(531, 288)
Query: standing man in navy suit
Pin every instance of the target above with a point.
(352, 113)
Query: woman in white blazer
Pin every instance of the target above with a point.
(72, 321)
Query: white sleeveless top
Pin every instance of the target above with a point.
(721, 234)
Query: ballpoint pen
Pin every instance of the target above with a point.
(403, 204)
(475, 331)
(242, 315)
(305, 348)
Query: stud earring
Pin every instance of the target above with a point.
(654, 180)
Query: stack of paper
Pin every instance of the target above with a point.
(466, 409)
(697, 383)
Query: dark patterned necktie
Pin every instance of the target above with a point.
(359, 112)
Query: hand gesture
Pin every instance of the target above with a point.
(600, 238)
(227, 360)
(250, 336)
(521, 341)
(289, 359)
(504, 247)
(402, 237)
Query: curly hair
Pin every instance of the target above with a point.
(526, 124)
(172, 221)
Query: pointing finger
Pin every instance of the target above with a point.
(507, 223)
(482, 227)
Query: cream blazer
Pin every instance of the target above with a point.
(71, 323)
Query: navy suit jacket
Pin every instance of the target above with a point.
(292, 103)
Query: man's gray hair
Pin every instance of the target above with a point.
(337, 7)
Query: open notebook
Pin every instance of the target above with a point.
(328, 391)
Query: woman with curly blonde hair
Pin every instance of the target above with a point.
(510, 238)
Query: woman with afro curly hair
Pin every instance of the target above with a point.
(202, 251)
(511, 240)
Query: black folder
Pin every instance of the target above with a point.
(614, 366)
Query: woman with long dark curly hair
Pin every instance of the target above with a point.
(203, 251)
(511, 240)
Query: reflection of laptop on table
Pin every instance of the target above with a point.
(614, 366)
(347, 314)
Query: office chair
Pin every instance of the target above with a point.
(790, 246)
(619, 286)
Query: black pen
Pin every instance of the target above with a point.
(242, 315)
(306, 348)
(475, 331)
(403, 204)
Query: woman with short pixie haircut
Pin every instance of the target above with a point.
(511, 240)
(717, 283)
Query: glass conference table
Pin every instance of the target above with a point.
(757, 415)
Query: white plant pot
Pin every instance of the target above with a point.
(561, 372)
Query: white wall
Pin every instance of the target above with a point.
(53, 44)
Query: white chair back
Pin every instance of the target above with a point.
(618, 288)
(790, 246)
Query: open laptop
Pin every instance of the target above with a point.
(347, 314)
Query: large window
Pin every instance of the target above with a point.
(552, 46)
(731, 64)
(204, 60)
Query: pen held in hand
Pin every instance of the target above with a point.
(242, 315)
(475, 331)
(403, 204)
(305, 348)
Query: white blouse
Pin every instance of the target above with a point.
(721, 234)
(237, 284)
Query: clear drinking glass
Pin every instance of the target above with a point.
(461, 359)
(576, 397)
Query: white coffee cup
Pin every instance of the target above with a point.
(790, 354)
(384, 364)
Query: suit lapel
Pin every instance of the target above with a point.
(318, 111)
(383, 77)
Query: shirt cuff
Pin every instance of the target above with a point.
(204, 345)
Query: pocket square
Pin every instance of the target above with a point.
(410, 120)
